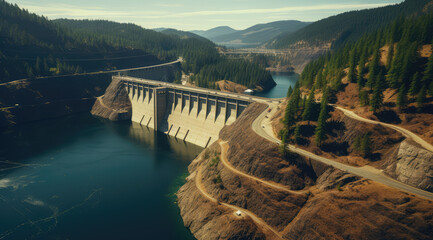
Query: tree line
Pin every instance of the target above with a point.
(390, 57)
(404, 69)
(32, 46)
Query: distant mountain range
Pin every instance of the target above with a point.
(252, 36)
(349, 26)
(215, 32)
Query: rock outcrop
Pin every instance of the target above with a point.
(412, 165)
(114, 104)
(229, 86)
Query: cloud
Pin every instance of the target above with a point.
(67, 10)
(169, 15)
(168, 5)
(283, 9)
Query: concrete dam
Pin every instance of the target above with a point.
(191, 114)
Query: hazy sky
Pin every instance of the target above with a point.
(196, 14)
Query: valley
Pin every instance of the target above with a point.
(121, 123)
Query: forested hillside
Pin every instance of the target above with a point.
(396, 58)
(349, 26)
(33, 46)
(200, 55)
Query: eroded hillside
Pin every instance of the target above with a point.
(293, 198)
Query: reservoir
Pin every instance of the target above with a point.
(284, 81)
(80, 177)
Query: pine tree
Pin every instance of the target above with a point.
(291, 110)
(351, 76)
(402, 96)
(363, 98)
(377, 98)
(365, 145)
(428, 72)
(298, 134)
(420, 100)
(304, 102)
(357, 143)
(414, 85)
(289, 92)
(38, 66)
(308, 111)
(29, 71)
(296, 99)
(320, 132)
(284, 146)
(373, 68)
(361, 67)
(396, 66)
(390, 56)
(430, 89)
(408, 63)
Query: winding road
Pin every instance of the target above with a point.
(224, 147)
(403, 131)
(100, 72)
(264, 129)
(260, 223)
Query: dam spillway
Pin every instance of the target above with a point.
(191, 114)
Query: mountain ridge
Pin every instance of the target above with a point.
(214, 32)
(255, 35)
(348, 26)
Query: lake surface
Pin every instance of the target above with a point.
(80, 177)
(284, 81)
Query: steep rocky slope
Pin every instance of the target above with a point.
(411, 164)
(229, 86)
(114, 104)
(300, 55)
(326, 203)
(38, 99)
(400, 158)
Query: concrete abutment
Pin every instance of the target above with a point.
(190, 114)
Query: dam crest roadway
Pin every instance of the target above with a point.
(197, 115)
(192, 114)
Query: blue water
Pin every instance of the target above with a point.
(284, 81)
(79, 177)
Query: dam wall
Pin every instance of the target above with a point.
(189, 114)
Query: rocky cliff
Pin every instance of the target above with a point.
(412, 165)
(300, 57)
(307, 200)
(114, 104)
(38, 99)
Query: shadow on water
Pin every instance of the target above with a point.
(33, 139)
(87, 178)
(152, 139)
